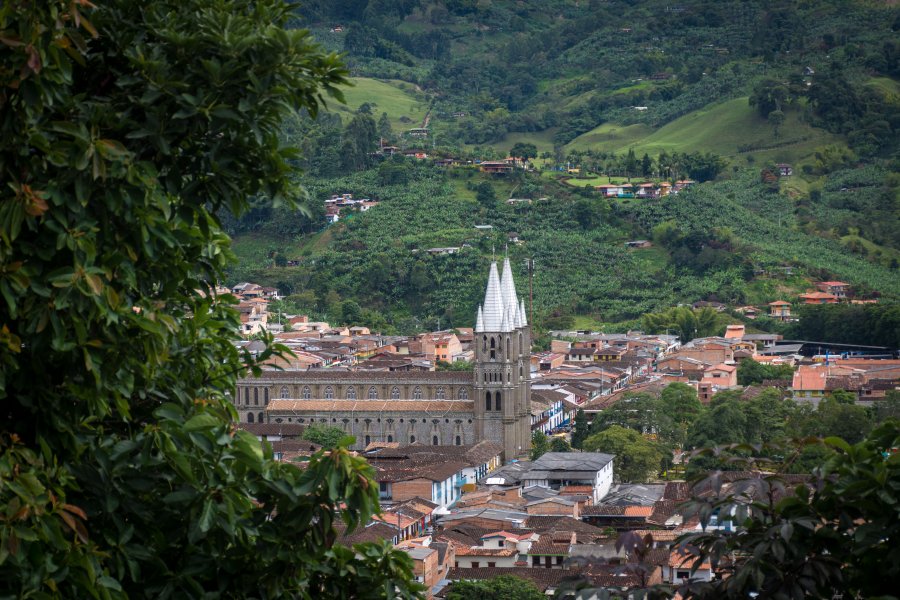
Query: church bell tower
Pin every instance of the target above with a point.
(503, 366)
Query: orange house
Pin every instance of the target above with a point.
(819, 298)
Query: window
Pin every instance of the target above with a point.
(390, 438)
(266, 396)
(373, 393)
(492, 564)
(329, 393)
(463, 394)
(487, 401)
(351, 393)
(256, 396)
(497, 403)
(306, 394)
(246, 395)
(439, 394)
(368, 440)
(417, 393)
(412, 439)
(285, 393)
(260, 419)
(395, 393)
(474, 564)
(535, 561)
(458, 441)
(250, 417)
(434, 440)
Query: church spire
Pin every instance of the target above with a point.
(523, 314)
(479, 321)
(493, 302)
(508, 287)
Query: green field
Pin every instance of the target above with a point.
(719, 128)
(398, 99)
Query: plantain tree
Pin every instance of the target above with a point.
(126, 129)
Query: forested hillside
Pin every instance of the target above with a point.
(718, 92)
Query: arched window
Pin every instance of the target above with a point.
(417, 393)
(373, 393)
(497, 403)
(260, 418)
(458, 441)
(306, 394)
(246, 395)
(439, 394)
(329, 393)
(390, 438)
(285, 393)
(249, 417)
(351, 393)
(395, 393)
(487, 401)
(256, 396)
(434, 440)
(484, 342)
(266, 396)
(368, 440)
(493, 343)
(412, 439)
(462, 394)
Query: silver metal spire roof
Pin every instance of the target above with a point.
(523, 313)
(493, 302)
(479, 321)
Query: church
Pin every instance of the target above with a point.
(491, 402)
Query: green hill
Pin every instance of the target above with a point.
(404, 106)
(732, 129)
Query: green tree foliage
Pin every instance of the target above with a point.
(523, 150)
(678, 402)
(684, 321)
(581, 429)
(327, 436)
(504, 587)
(360, 141)
(636, 458)
(873, 324)
(540, 445)
(486, 195)
(558, 444)
(835, 535)
(125, 130)
(750, 372)
(768, 96)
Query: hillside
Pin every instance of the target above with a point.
(717, 91)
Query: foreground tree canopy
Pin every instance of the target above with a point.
(126, 128)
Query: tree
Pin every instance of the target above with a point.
(327, 436)
(539, 445)
(504, 587)
(360, 139)
(558, 444)
(751, 372)
(835, 534)
(385, 131)
(636, 458)
(485, 194)
(646, 165)
(679, 402)
(127, 130)
(581, 429)
(776, 120)
(523, 150)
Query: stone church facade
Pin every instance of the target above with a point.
(492, 402)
